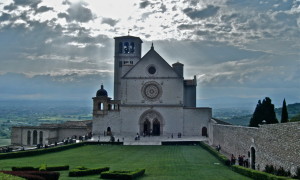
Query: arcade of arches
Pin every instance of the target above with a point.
(34, 137)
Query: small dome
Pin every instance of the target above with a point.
(101, 92)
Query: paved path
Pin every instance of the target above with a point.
(152, 140)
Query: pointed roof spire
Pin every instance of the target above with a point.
(152, 47)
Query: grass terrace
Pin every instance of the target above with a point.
(160, 162)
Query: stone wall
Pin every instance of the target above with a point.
(275, 144)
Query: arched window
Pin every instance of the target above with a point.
(41, 137)
(132, 48)
(34, 137)
(126, 47)
(28, 137)
(120, 47)
(100, 106)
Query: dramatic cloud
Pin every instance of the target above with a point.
(236, 48)
(206, 12)
(109, 21)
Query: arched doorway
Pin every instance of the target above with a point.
(152, 122)
(34, 137)
(41, 137)
(252, 158)
(156, 128)
(204, 131)
(147, 126)
(28, 137)
(108, 131)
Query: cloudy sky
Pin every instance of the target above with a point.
(241, 51)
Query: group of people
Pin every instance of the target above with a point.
(242, 161)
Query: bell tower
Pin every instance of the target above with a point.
(128, 50)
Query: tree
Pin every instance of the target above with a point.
(257, 115)
(284, 113)
(264, 111)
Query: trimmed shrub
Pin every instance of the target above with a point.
(43, 167)
(24, 174)
(122, 174)
(25, 168)
(82, 171)
(10, 177)
(215, 153)
(35, 175)
(257, 175)
(58, 168)
(39, 151)
(48, 175)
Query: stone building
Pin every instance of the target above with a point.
(151, 97)
(49, 133)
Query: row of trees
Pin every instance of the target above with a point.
(265, 113)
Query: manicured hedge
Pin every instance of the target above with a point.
(82, 171)
(215, 153)
(257, 175)
(24, 168)
(35, 152)
(10, 177)
(57, 168)
(122, 174)
(35, 175)
(43, 167)
(39, 151)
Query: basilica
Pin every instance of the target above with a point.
(150, 96)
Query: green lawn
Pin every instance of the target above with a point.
(160, 162)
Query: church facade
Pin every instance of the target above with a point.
(150, 96)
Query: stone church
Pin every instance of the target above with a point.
(150, 96)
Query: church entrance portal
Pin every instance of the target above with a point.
(151, 123)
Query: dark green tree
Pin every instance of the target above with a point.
(257, 115)
(284, 113)
(264, 111)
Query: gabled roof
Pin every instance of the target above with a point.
(152, 58)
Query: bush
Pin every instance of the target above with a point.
(82, 171)
(122, 174)
(38, 151)
(10, 177)
(57, 168)
(48, 175)
(257, 175)
(281, 172)
(298, 173)
(25, 168)
(215, 153)
(43, 167)
(24, 174)
(270, 169)
(35, 175)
